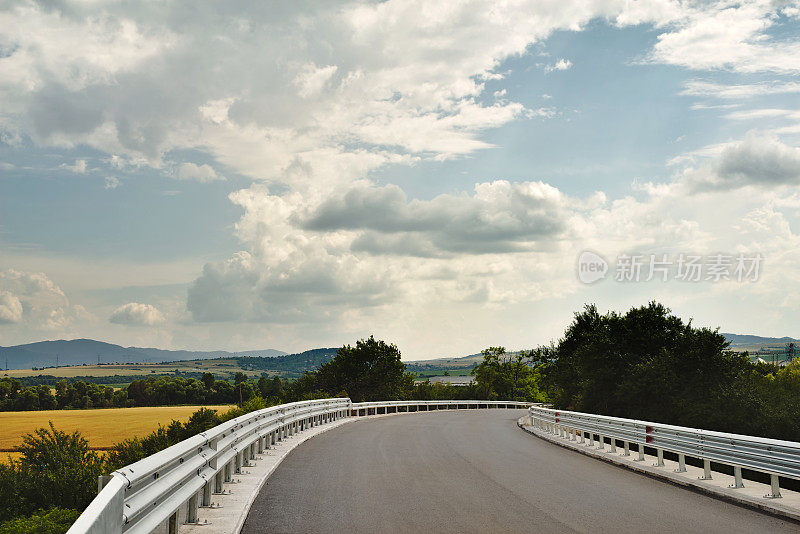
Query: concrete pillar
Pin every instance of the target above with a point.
(191, 510)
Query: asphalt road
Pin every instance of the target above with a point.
(474, 471)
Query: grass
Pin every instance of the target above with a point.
(101, 427)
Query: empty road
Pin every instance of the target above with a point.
(474, 471)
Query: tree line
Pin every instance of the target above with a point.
(649, 364)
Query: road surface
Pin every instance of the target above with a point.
(474, 471)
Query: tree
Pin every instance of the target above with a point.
(208, 380)
(371, 370)
(56, 469)
(500, 376)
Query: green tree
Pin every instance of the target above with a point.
(371, 370)
(56, 469)
(208, 380)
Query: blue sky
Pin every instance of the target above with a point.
(239, 178)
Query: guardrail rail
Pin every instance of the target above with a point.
(147, 495)
(776, 458)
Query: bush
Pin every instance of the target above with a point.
(53, 521)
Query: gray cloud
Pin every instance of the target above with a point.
(249, 289)
(762, 161)
(500, 217)
(755, 161)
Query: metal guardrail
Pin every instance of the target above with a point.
(771, 456)
(140, 497)
(421, 406)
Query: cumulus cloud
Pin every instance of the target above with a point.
(10, 308)
(32, 299)
(199, 173)
(500, 217)
(757, 160)
(135, 313)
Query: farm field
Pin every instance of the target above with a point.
(102, 427)
(223, 368)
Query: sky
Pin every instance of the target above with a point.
(447, 176)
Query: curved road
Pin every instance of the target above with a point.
(474, 471)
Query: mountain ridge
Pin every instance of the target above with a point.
(63, 352)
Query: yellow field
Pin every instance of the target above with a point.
(102, 428)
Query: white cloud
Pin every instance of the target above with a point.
(10, 308)
(199, 173)
(111, 182)
(738, 91)
(725, 35)
(135, 313)
(33, 301)
(561, 64)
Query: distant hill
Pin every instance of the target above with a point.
(89, 351)
(745, 339)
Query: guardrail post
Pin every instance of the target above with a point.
(775, 488)
(191, 510)
(602, 441)
(641, 453)
(706, 470)
(260, 445)
(218, 481)
(681, 463)
(613, 447)
(737, 478)
(206, 501)
(229, 471)
(591, 438)
(660, 458)
(626, 448)
(172, 524)
(237, 466)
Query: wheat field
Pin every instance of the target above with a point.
(101, 427)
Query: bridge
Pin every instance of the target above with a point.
(449, 466)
